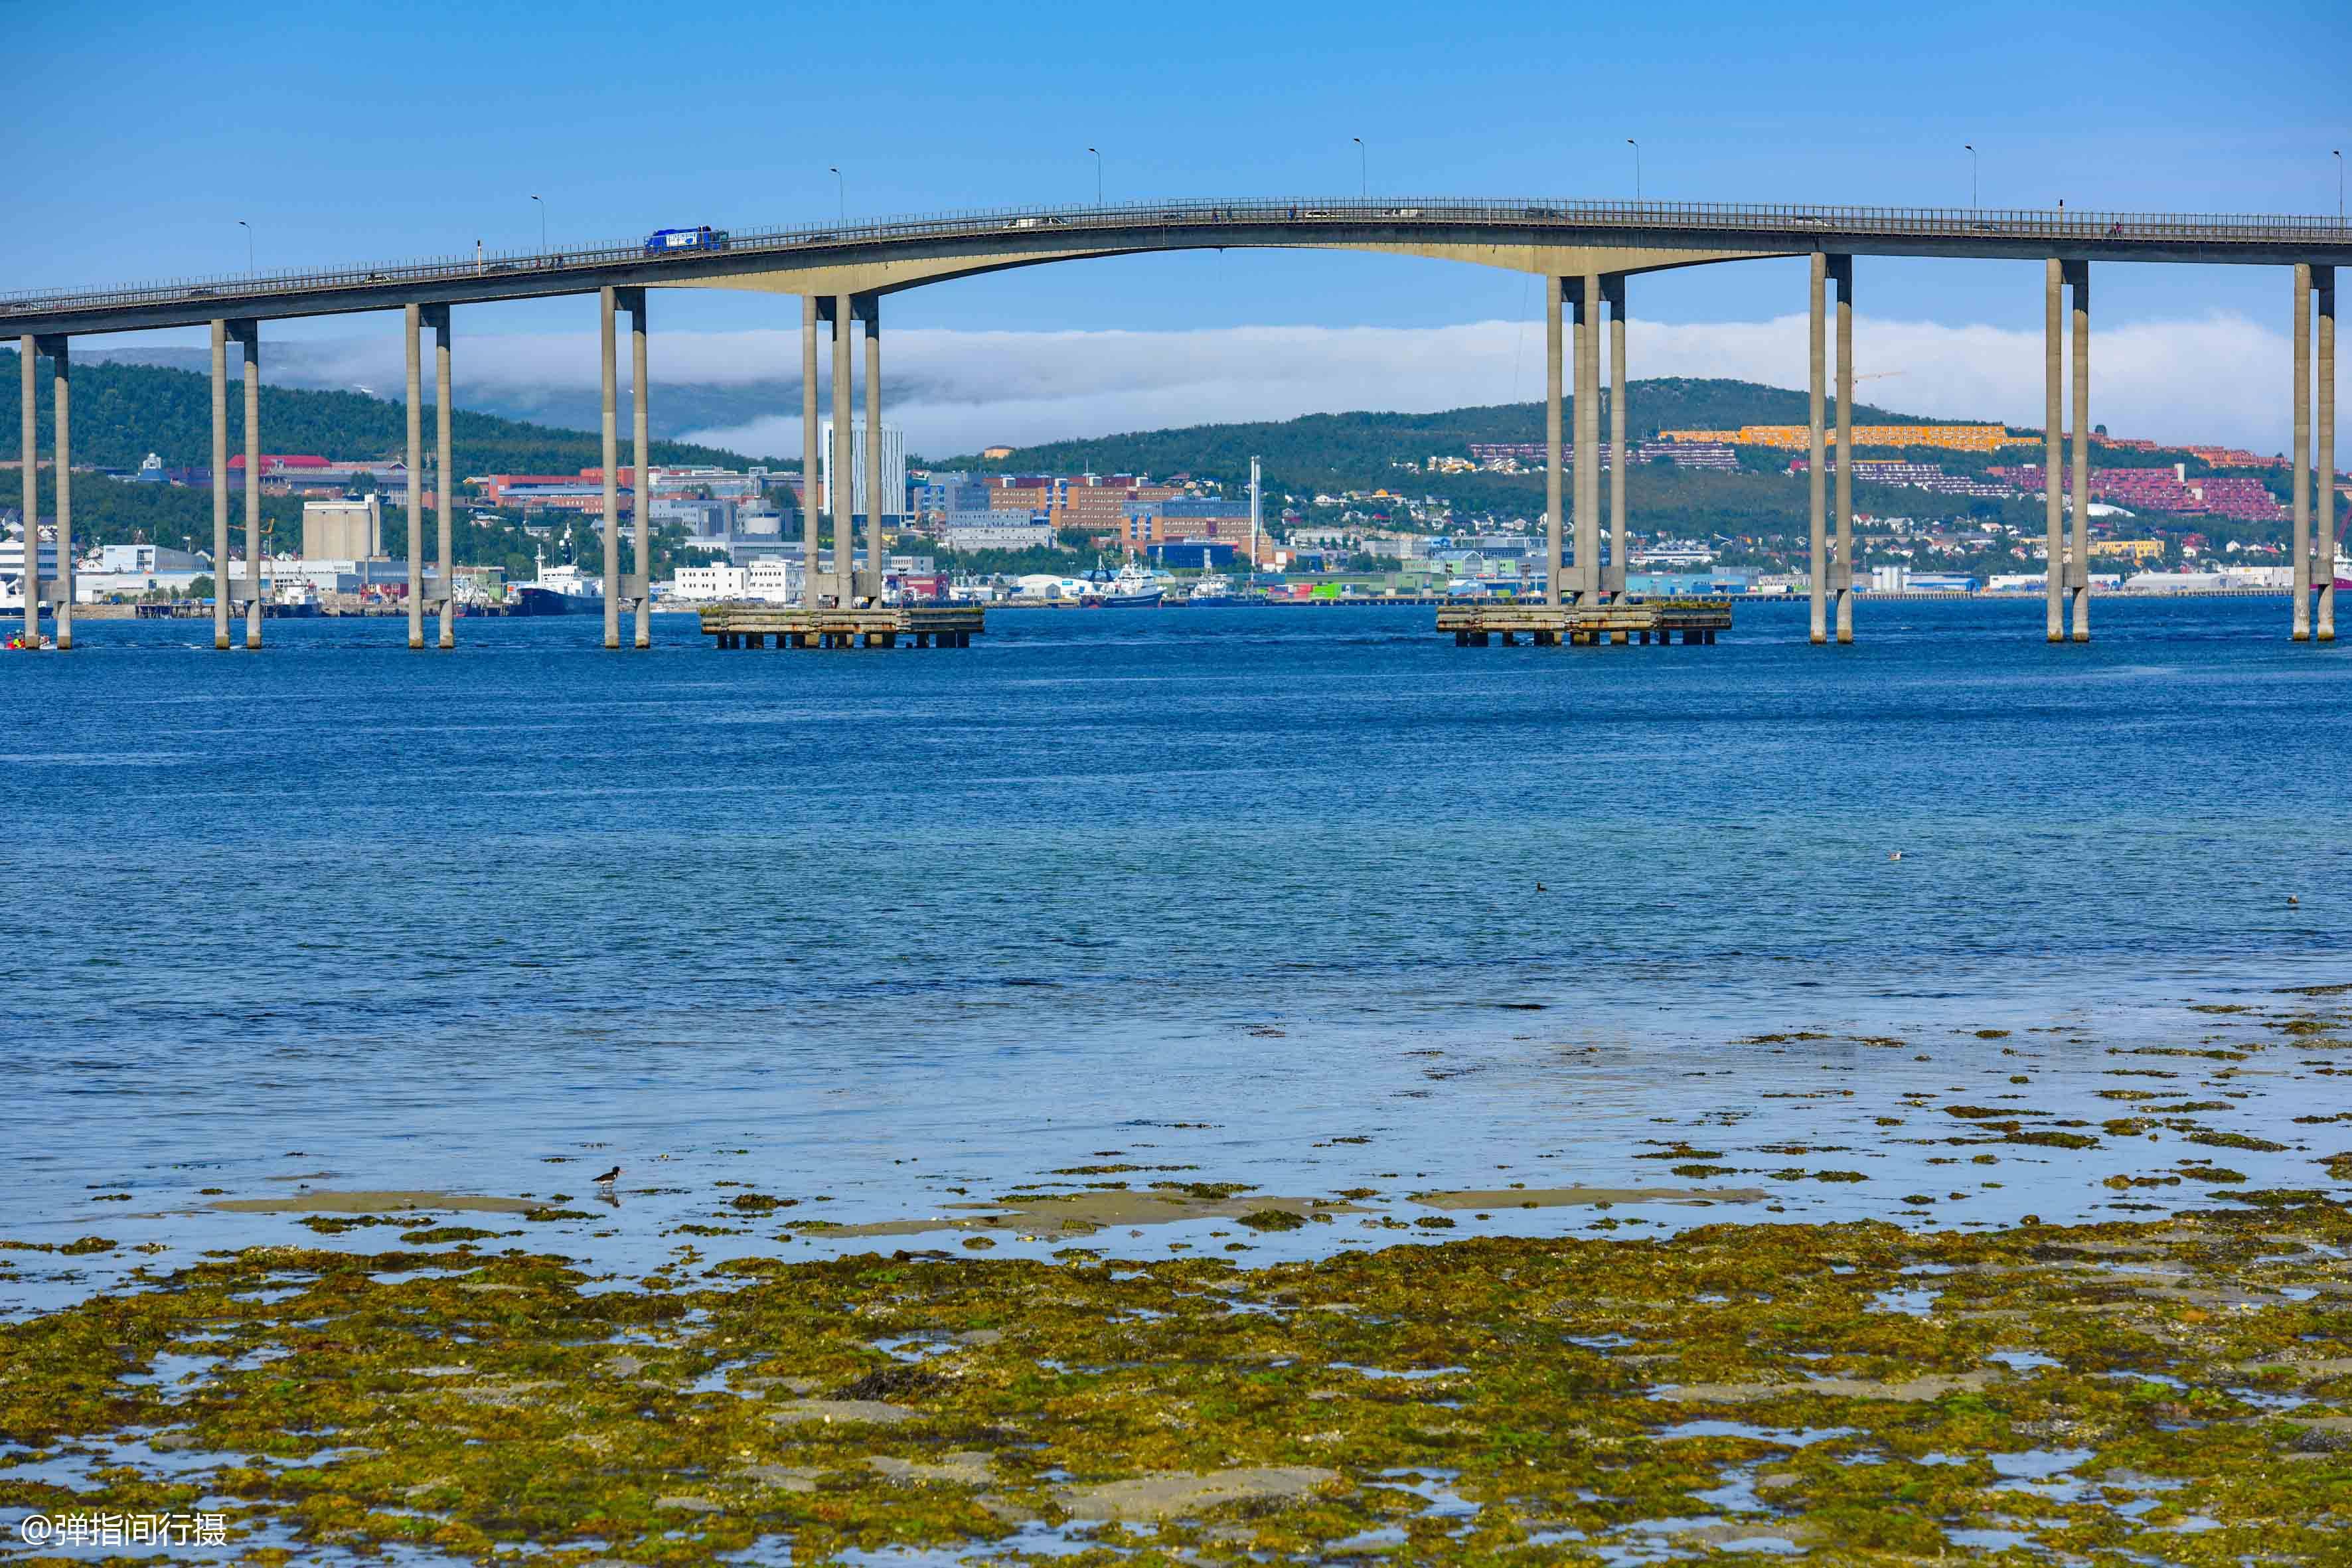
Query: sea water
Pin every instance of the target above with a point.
(1203, 888)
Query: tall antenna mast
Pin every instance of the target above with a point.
(1253, 516)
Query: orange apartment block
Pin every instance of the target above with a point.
(1793, 437)
(1098, 504)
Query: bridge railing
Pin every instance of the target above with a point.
(1703, 219)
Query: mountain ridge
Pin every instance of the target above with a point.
(1319, 450)
(123, 409)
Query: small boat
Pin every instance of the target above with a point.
(1212, 588)
(20, 642)
(296, 600)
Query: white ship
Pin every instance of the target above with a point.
(1131, 588)
(557, 591)
(1212, 588)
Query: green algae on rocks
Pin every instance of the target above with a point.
(2178, 1391)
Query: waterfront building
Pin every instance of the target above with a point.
(12, 556)
(711, 520)
(894, 468)
(1670, 553)
(771, 580)
(941, 494)
(293, 471)
(1203, 555)
(343, 529)
(996, 530)
(139, 558)
(690, 480)
(1695, 584)
(1025, 492)
(1100, 504)
(557, 492)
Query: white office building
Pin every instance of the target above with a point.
(894, 466)
(12, 557)
(709, 585)
(995, 530)
(769, 580)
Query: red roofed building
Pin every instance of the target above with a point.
(279, 463)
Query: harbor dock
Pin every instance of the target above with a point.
(1620, 622)
(927, 626)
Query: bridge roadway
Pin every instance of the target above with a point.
(1586, 249)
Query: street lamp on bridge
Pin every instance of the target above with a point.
(840, 192)
(542, 223)
(1637, 166)
(1098, 197)
(1970, 148)
(1363, 167)
(249, 243)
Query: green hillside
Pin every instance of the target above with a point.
(1324, 451)
(123, 411)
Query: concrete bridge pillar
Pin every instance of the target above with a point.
(220, 486)
(413, 323)
(841, 489)
(1817, 476)
(869, 311)
(2054, 423)
(248, 336)
(439, 315)
(2078, 276)
(60, 354)
(1613, 292)
(1841, 269)
(1580, 335)
(28, 353)
(606, 301)
(1588, 442)
(640, 485)
(809, 463)
(2300, 450)
(1555, 288)
(2324, 285)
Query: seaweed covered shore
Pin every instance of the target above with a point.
(2177, 1390)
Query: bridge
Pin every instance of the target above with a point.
(1586, 250)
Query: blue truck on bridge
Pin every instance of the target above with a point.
(662, 241)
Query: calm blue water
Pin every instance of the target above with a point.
(430, 920)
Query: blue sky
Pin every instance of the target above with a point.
(344, 133)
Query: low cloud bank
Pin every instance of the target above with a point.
(2220, 378)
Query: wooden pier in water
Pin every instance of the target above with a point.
(925, 625)
(1620, 622)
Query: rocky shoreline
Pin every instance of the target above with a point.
(2174, 1391)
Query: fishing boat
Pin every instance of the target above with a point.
(1130, 588)
(1212, 588)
